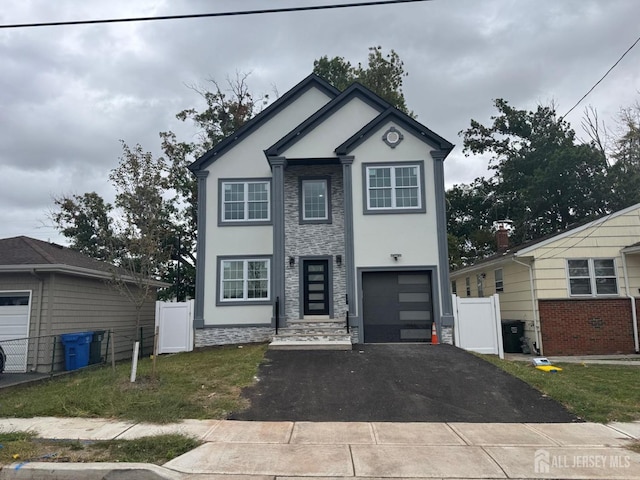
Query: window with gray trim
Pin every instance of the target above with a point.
(592, 277)
(498, 280)
(245, 280)
(245, 201)
(315, 200)
(394, 188)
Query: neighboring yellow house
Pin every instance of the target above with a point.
(577, 292)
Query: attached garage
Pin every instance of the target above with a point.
(14, 326)
(397, 306)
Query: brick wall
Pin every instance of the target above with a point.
(586, 326)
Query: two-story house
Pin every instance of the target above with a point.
(325, 208)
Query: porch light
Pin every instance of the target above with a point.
(339, 260)
(292, 261)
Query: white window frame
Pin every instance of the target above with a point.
(499, 284)
(592, 278)
(326, 217)
(420, 208)
(245, 280)
(246, 202)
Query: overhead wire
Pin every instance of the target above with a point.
(603, 77)
(235, 13)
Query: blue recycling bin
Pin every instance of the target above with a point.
(76, 349)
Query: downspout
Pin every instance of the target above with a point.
(534, 305)
(38, 315)
(634, 315)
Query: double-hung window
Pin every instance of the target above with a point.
(467, 286)
(245, 201)
(498, 280)
(244, 280)
(592, 277)
(394, 188)
(315, 200)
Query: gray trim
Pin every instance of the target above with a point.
(301, 260)
(300, 131)
(239, 325)
(348, 262)
(435, 291)
(198, 307)
(278, 164)
(244, 303)
(301, 179)
(385, 137)
(365, 204)
(280, 104)
(446, 319)
(392, 114)
(243, 223)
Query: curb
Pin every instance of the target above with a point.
(88, 471)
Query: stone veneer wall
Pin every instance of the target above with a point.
(205, 337)
(447, 335)
(313, 239)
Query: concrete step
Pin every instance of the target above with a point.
(311, 330)
(286, 344)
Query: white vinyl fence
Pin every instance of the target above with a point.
(175, 322)
(477, 325)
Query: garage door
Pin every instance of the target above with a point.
(397, 306)
(14, 324)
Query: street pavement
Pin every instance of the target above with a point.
(242, 450)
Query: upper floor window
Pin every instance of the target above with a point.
(397, 188)
(499, 281)
(315, 200)
(245, 201)
(593, 276)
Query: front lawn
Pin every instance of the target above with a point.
(201, 384)
(596, 393)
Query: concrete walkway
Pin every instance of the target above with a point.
(270, 450)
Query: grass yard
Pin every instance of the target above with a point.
(201, 384)
(24, 447)
(597, 393)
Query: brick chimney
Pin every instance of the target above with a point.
(502, 239)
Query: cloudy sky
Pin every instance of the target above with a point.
(68, 94)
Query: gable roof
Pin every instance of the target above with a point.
(355, 90)
(393, 114)
(527, 247)
(289, 97)
(25, 254)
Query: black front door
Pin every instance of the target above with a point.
(316, 287)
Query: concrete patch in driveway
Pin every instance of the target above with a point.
(393, 383)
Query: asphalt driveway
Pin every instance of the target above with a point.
(393, 383)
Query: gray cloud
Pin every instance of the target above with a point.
(67, 95)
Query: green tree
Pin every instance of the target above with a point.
(625, 171)
(383, 74)
(544, 180)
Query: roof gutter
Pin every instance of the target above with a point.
(534, 304)
(634, 315)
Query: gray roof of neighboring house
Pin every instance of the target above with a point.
(27, 254)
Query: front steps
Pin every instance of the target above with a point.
(313, 334)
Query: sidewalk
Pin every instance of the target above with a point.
(269, 450)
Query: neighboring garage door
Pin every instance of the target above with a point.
(397, 306)
(14, 326)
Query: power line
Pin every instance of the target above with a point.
(603, 77)
(216, 14)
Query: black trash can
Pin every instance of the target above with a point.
(95, 347)
(512, 332)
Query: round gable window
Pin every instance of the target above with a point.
(392, 137)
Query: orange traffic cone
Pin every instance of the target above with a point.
(434, 334)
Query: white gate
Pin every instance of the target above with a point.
(477, 324)
(175, 322)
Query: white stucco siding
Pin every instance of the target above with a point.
(322, 140)
(603, 240)
(244, 161)
(413, 235)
